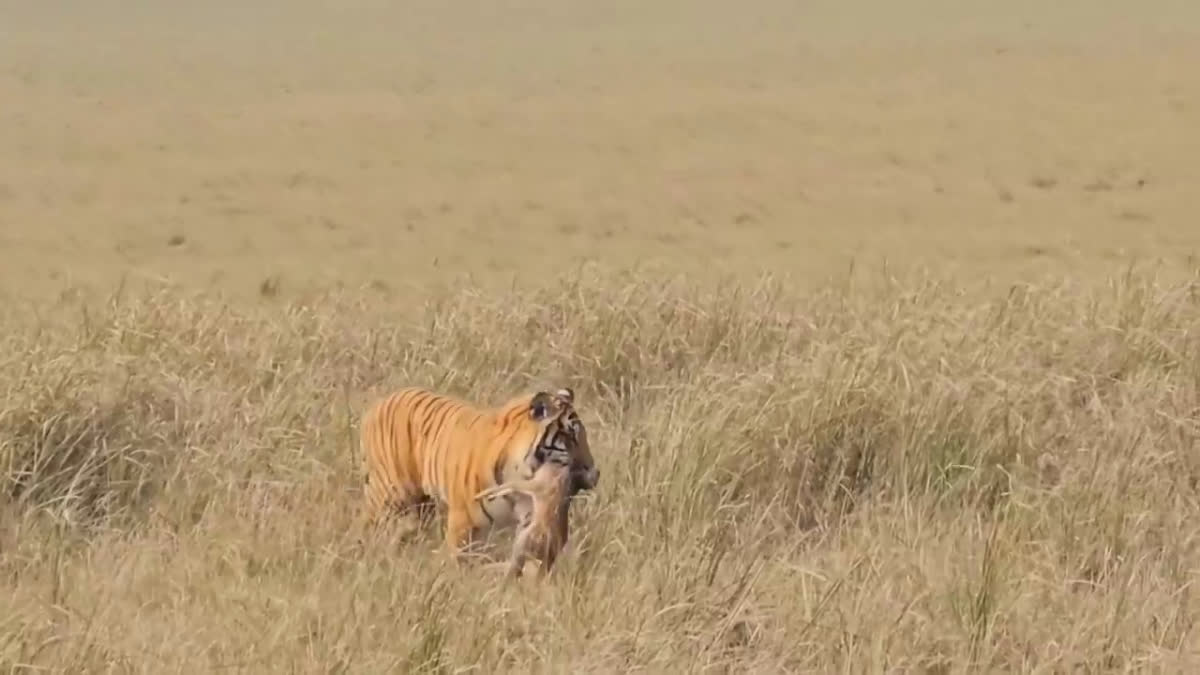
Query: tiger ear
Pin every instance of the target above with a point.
(542, 406)
(566, 394)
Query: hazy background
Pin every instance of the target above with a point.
(397, 143)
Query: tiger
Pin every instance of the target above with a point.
(544, 501)
(422, 448)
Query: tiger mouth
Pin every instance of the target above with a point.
(583, 479)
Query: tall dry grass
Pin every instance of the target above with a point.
(899, 476)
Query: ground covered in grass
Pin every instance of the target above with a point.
(890, 475)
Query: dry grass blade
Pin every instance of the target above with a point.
(890, 477)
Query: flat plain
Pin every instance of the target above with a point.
(883, 317)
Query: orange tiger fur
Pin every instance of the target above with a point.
(420, 446)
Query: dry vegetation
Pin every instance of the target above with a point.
(890, 475)
(991, 468)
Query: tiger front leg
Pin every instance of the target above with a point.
(398, 514)
(459, 528)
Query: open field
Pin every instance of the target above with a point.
(366, 143)
(891, 478)
(982, 457)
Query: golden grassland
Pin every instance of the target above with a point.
(890, 477)
(884, 319)
(405, 145)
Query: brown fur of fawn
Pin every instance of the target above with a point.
(542, 503)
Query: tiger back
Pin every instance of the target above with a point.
(420, 446)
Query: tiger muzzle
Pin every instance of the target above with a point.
(584, 479)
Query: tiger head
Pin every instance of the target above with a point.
(560, 434)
